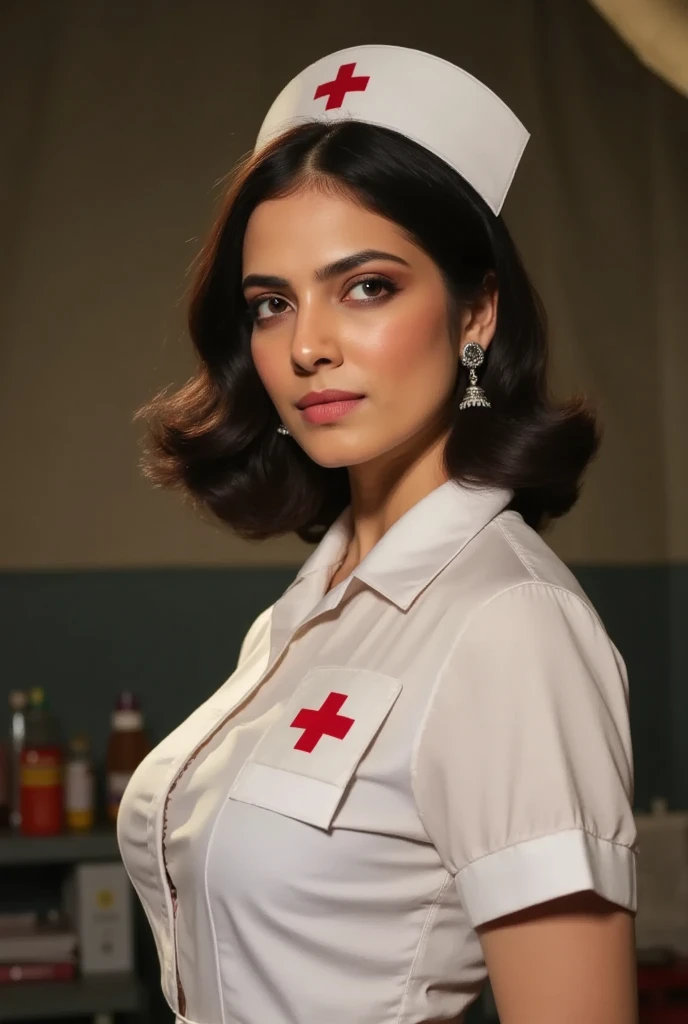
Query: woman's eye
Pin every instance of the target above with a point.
(372, 286)
(256, 306)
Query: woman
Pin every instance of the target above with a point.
(421, 770)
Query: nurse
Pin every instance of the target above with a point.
(420, 772)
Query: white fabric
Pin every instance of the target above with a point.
(483, 765)
(419, 95)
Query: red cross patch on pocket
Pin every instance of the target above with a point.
(306, 758)
(325, 721)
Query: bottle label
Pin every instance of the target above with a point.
(40, 782)
(78, 787)
(127, 721)
(36, 776)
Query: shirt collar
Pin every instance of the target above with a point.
(418, 546)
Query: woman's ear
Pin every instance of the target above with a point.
(479, 321)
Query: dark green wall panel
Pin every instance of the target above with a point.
(173, 636)
(170, 635)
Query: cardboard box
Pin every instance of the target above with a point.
(103, 905)
(662, 918)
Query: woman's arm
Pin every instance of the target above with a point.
(524, 782)
(569, 961)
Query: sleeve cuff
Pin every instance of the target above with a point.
(542, 869)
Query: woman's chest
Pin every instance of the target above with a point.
(289, 797)
(298, 818)
(322, 742)
(326, 741)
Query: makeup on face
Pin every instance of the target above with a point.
(349, 326)
(328, 406)
(327, 273)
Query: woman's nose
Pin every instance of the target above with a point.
(314, 340)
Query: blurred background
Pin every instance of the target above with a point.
(120, 123)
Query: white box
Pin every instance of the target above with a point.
(662, 918)
(103, 898)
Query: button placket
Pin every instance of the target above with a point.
(224, 714)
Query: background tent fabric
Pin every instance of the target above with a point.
(657, 31)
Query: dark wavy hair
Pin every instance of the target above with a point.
(216, 436)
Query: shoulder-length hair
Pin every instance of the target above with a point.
(216, 436)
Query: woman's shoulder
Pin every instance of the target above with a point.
(534, 560)
(509, 555)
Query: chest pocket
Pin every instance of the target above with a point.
(306, 759)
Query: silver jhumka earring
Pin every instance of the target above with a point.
(283, 430)
(472, 357)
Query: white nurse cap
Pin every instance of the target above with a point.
(417, 94)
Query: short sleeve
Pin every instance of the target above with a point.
(255, 633)
(523, 771)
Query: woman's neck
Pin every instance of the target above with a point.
(382, 494)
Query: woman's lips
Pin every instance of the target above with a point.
(328, 412)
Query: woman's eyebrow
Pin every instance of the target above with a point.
(327, 272)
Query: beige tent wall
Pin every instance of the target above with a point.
(120, 120)
(656, 31)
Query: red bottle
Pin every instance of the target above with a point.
(40, 772)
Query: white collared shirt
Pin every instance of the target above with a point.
(441, 739)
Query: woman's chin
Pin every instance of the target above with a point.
(331, 453)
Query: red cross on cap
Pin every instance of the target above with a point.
(337, 89)
(326, 721)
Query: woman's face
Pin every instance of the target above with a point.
(379, 329)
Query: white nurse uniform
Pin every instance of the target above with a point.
(441, 739)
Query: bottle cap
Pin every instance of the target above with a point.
(126, 701)
(79, 744)
(17, 700)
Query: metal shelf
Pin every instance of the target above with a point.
(111, 993)
(99, 844)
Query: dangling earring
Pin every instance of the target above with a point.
(472, 357)
(283, 430)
